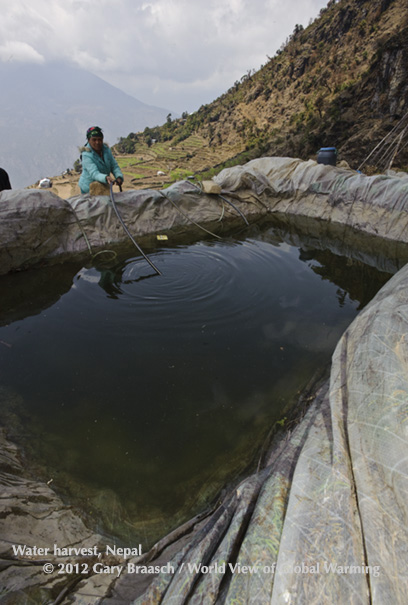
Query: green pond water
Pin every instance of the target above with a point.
(141, 396)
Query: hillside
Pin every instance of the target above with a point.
(342, 81)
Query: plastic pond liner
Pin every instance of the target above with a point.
(311, 511)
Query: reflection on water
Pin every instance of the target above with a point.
(143, 395)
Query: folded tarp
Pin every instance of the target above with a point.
(376, 205)
(325, 520)
(38, 227)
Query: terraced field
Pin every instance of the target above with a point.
(162, 163)
(159, 165)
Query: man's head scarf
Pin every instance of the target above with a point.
(94, 131)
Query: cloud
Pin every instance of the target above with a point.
(156, 49)
(19, 51)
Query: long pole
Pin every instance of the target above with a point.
(128, 233)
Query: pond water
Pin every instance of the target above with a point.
(140, 396)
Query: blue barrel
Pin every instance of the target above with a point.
(327, 155)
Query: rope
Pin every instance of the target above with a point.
(200, 189)
(401, 136)
(235, 208)
(392, 146)
(188, 218)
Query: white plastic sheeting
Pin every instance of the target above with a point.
(326, 520)
(376, 205)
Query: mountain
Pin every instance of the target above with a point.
(46, 109)
(342, 82)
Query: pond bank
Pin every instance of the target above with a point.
(325, 513)
(38, 228)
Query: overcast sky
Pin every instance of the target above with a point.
(176, 54)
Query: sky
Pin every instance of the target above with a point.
(176, 54)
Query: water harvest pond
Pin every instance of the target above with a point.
(142, 396)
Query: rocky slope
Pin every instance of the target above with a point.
(340, 82)
(343, 82)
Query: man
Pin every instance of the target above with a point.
(98, 162)
(4, 180)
